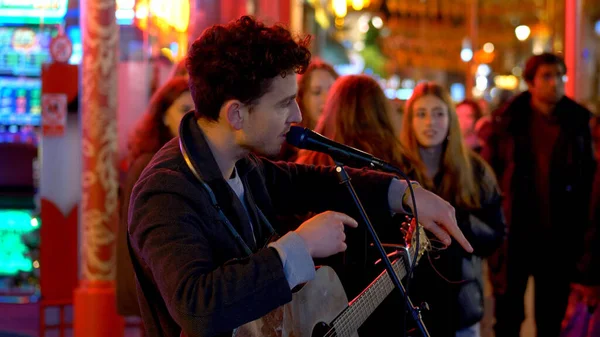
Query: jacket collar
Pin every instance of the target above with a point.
(195, 149)
(567, 111)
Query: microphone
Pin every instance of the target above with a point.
(305, 138)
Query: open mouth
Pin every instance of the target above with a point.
(430, 133)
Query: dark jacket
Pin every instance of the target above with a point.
(572, 166)
(451, 281)
(192, 274)
(127, 303)
(589, 264)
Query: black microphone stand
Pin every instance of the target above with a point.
(415, 311)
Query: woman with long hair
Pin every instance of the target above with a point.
(436, 156)
(158, 125)
(160, 122)
(358, 114)
(313, 87)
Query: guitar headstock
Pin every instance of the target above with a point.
(410, 230)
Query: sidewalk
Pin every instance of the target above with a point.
(19, 320)
(22, 320)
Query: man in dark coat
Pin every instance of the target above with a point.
(541, 152)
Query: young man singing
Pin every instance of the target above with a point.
(202, 230)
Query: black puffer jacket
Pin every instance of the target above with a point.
(450, 281)
(508, 150)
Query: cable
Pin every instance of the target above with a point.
(412, 265)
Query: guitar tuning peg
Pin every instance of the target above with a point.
(424, 306)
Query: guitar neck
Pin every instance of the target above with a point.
(364, 304)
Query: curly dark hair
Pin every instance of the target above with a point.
(239, 61)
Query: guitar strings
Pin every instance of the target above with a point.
(342, 328)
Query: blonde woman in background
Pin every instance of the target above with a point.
(436, 156)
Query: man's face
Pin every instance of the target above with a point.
(548, 85)
(466, 118)
(266, 124)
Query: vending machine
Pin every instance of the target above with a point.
(26, 31)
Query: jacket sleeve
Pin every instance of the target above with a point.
(168, 235)
(125, 279)
(589, 264)
(298, 188)
(487, 226)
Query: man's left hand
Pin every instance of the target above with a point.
(435, 214)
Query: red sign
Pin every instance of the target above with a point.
(61, 48)
(54, 114)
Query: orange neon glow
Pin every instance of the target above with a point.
(125, 4)
(164, 14)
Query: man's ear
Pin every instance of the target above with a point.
(234, 113)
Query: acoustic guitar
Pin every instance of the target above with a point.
(320, 308)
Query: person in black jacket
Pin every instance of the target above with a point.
(541, 151)
(436, 155)
(158, 125)
(202, 232)
(587, 290)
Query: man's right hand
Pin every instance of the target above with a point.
(324, 233)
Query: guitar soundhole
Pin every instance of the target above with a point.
(323, 329)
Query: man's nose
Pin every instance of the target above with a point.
(295, 114)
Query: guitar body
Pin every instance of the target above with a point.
(322, 304)
(318, 302)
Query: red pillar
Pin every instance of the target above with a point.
(233, 9)
(274, 11)
(572, 45)
(204, 13)
(94, 299)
